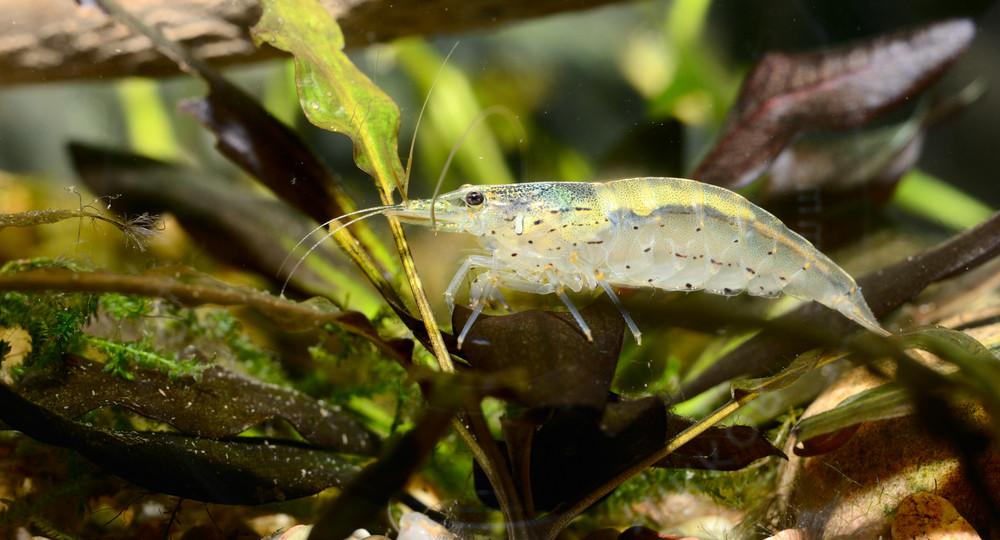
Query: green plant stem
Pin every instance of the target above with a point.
(419, 297)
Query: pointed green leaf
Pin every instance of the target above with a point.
(804, 363)
(978, 371)
(886, 401)
(334, 94)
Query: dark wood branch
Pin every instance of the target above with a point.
(50, 40)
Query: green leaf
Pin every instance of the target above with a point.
(928, 196)
(334, 94)
(978, 371)
(802, 364)
(886, 401)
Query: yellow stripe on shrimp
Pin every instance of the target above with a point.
(668, 233)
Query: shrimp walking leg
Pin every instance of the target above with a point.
(621, 309)
(551, 284)
(484, 290)
(473, 261)
(576, 314)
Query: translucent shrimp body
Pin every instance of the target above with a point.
(668, 233)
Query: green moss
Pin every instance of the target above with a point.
(52, 320)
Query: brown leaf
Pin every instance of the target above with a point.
(825, 443)
(267, 149)
(835, 88)
(719, 448)
(221, 404)
(824, 184)
(639, 532)
(240, 471)
(575, 451)
(559, 366)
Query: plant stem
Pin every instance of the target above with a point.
(563, 519)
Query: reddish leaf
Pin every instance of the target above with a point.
(824, 184)
(559, 366)
(835, 88)
(645, 533)
(825, 443)
(719, 448)
(573, 450)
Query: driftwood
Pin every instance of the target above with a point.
(48, 40)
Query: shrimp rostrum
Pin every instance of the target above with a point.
(667, 233)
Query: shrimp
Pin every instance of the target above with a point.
(666, 233)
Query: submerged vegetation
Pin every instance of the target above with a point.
(164, 382)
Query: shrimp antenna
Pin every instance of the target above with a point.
(495, 109)
(413, 142)
(368, 212)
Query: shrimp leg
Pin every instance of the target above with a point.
(621, 309)
(552, 284)
(477, 308)
(474, 261)
(484, 289)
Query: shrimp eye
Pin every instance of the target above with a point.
(474, 198)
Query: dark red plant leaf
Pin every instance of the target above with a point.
(823, 444)
(885, 289)
(239, 471)
(574, 450)
(719, 448)
(557, 364)
(221, 404)
(518, 437)
(840, 87)
(824, 184)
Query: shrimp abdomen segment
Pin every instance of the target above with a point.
(677, 234)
